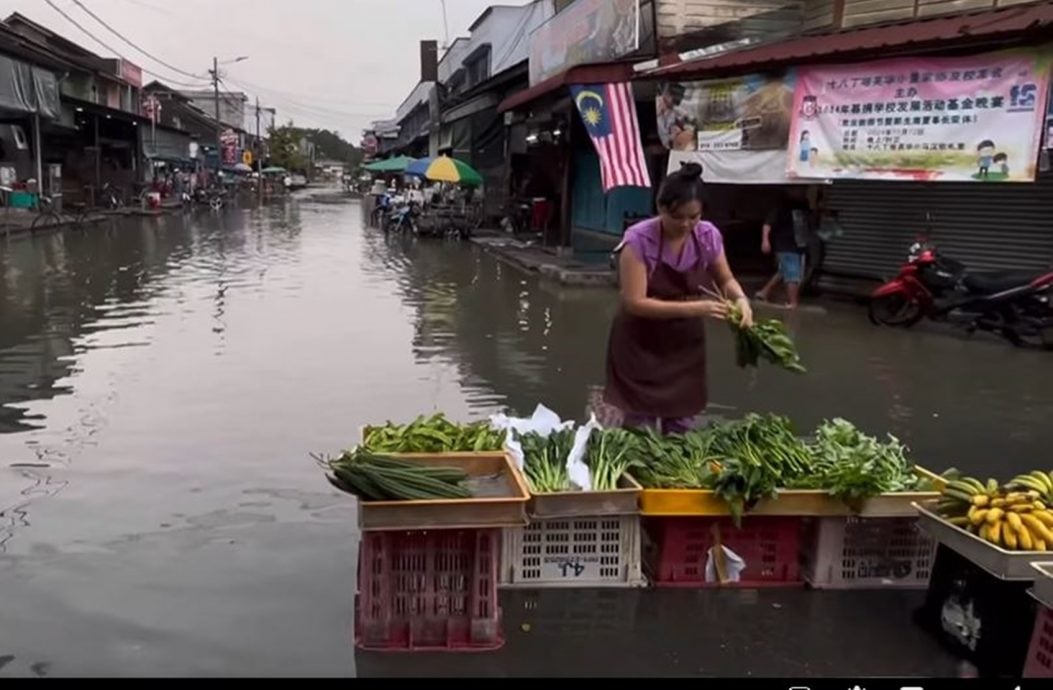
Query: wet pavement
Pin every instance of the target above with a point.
(162, 382)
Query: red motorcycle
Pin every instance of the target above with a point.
(1018, 305)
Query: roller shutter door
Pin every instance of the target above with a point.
(990, 226)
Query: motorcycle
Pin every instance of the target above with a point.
(1018, 305)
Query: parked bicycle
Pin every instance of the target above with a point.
(52, 214)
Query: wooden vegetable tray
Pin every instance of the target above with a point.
(621, 501)
(807, 503)
(504, 504)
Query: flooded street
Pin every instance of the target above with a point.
(163, 381)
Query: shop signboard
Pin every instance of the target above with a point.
(976, 118)
(737, 129)
(587, 31)
(131, 74)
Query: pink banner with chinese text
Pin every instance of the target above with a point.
(976, 118)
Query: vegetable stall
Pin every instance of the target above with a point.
(754, 501)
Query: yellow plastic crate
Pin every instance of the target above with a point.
(690, 502)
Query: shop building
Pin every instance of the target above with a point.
(988, 226)
(474, 76)
(96, 139)
(29, 104)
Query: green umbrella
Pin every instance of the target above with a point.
(274, 170)
(446, 169)
(389, 165)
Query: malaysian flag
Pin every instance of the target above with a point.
(609, 114)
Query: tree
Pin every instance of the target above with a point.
(287, 152)
(285, 147)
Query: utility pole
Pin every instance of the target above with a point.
(259, 155)
(219, 127)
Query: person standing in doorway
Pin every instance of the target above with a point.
(668, 268)
(783, 234)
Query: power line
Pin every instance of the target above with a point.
(121, 36)
(296, 97)
(317, 110)
(95, 38)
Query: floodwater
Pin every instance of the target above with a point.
(163, 382)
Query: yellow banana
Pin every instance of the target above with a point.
(1040, 545)
(1038, 505)
(1021, 508)
(1027, 543)
(994, 532)
(1045, 516)
(1015, 497)
(995, 503)
(993, 515)
(977, 515)
(1009, 535)
(1037, 528)
(981, 500)
(1014, 520)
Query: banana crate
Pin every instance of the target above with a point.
(1039, 662)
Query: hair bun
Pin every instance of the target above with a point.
(690, 171)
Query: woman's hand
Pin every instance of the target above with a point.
(743, 304)
(714, 309)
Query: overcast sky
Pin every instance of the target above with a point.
(326, 63)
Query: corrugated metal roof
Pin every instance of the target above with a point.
(942, 32)
(601, 73)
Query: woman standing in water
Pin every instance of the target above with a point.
(656, 354)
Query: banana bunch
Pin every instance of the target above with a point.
(1015, 520)
(1039, 481)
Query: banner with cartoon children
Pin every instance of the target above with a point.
(977, 118)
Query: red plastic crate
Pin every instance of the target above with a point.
(428, 591)
(1040, 653)
(677, 548)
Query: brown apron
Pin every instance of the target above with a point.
(657, 367)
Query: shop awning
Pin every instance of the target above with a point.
(99, 109)
(26, 88)
(601, 73)
(878, 41)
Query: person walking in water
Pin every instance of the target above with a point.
(785, 224)
(668, 266)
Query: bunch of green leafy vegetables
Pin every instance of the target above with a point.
(756, 455)
(854, 466)
(675, 461)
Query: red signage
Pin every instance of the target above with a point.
(369, 144)
(131, 74)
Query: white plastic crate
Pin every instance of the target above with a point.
(867, 553)
(591, 551)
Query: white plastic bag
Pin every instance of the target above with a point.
(577, 470)
(734, 565)
(543, 422)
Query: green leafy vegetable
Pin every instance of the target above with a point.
(854, 466)
(609, 454)
(434, 434)
(757, 455)
(767, 339)
(545, 460)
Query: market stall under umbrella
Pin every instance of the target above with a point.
(445, 169)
